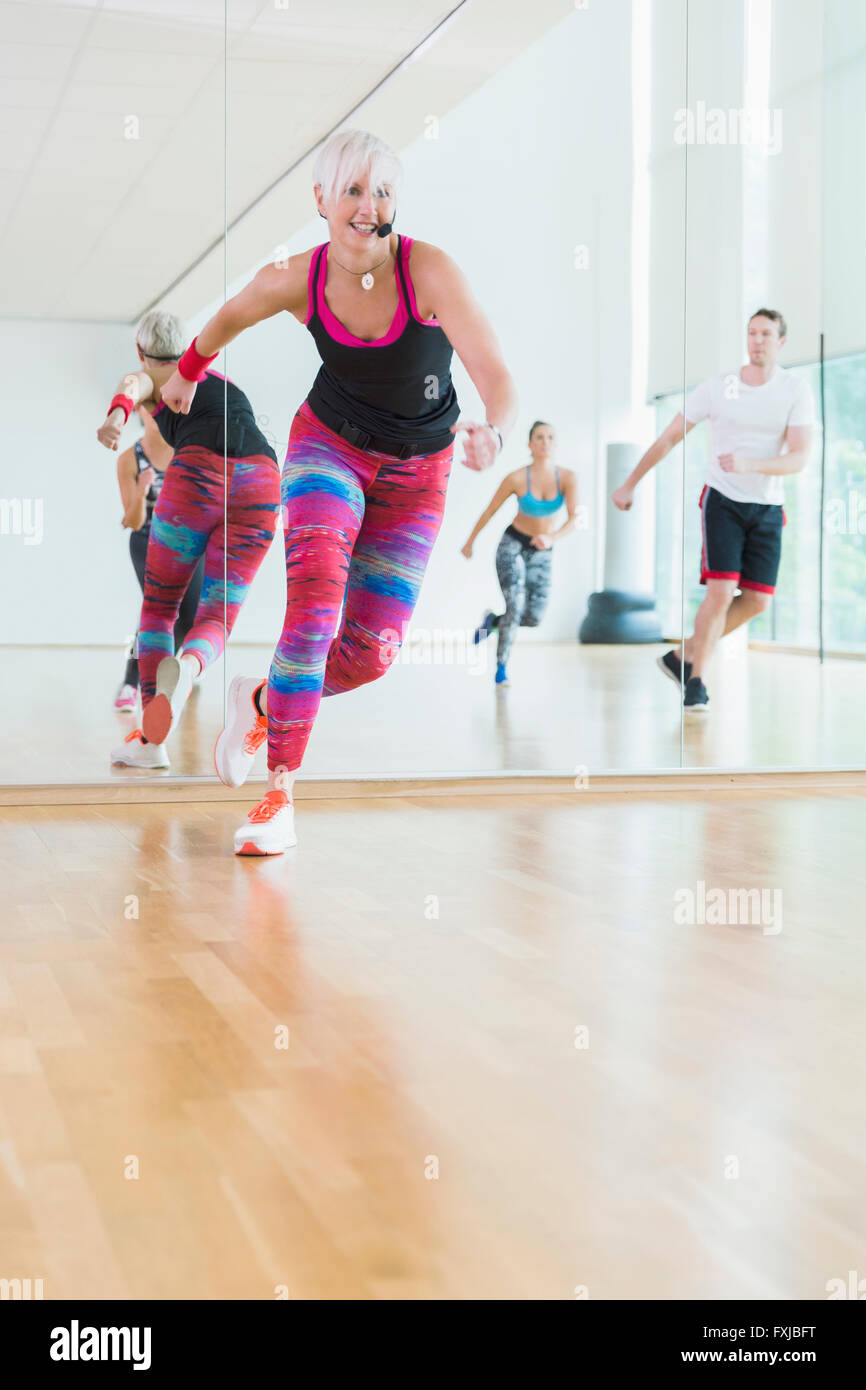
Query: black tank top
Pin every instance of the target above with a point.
(220, 418)
(151, 497)
(397, 389)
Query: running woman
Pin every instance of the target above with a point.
(219, 499)
(140, 475)
(761, 429)
(524, 556)
(368, 460)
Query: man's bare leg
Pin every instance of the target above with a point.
(743, 608)
(710, 622)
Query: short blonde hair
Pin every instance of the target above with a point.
(350, 153)
(160, 334)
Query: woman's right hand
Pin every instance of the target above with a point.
(623, 497)
(146, 479)
(466, 550)
(178, 393)
(109, 433)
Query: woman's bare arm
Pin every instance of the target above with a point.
(272, 290)
(440, 283)
(133, 491)
(505, 490)
(569, 493)
(140, 388)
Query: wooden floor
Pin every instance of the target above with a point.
(603, 708)
(432, 1130)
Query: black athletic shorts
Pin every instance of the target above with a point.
(741, 541)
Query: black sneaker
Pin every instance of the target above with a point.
(485, 627)
(670, 664)
(696, 697)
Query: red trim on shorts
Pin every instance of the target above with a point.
(762, 588)
(717, 574)
(703, 531)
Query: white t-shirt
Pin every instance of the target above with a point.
(749, 420)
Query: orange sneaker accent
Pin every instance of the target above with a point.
(248, 848)
(268, 807)
(256, 736)
(136, 733)
(158, 719)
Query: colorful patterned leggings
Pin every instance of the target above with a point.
(359, 528)
(193, 516)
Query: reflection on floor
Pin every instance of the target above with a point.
(511, 1070)
(603, 708)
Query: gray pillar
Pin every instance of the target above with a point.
(624, 610)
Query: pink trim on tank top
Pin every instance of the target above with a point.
(426, 323)
(314, 260)
(338, 331)
(341, 334)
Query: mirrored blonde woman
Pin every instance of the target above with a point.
(219, 499)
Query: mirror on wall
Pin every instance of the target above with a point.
(105, 216)
(619, 237)
(840, 382)
(773, 334)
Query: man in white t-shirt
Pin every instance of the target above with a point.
(761, 428)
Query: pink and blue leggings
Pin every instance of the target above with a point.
(359, 527)
(231, 520)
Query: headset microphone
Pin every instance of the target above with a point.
(385, 229)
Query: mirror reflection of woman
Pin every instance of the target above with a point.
(524, 556)
(369, 455)
(219, 500)
(140, 475)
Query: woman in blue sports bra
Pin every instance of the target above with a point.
(524, 556)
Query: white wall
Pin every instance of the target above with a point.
(814, 269)
(77, 584)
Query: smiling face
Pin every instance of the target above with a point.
(355, 214)
(542, 445)
(763, 342)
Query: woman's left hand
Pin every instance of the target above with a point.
(542, 542)
(480, 446)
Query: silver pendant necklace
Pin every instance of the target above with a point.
(367, 281)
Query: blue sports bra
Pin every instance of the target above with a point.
(537, 506)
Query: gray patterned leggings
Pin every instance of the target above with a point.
(524, 574)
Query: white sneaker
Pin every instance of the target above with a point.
(174, 679)
(245, 732)
(125, 699)
(269, 828)
(134, 752)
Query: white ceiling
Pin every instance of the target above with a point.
(95, 225)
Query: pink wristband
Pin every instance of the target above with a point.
(192, 366)
(125, 403)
